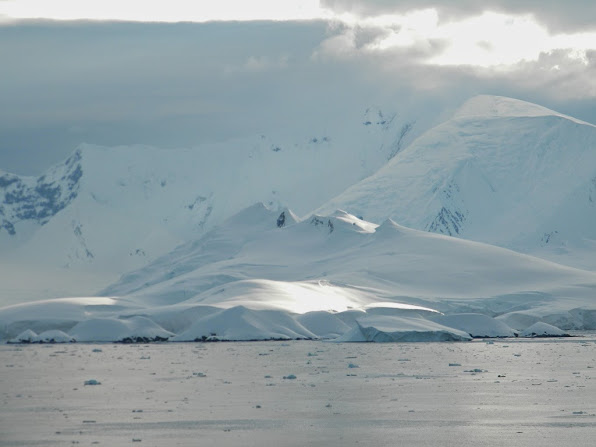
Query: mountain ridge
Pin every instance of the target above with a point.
(306, 280)
(523, 180)
(502, 106)
(501, 171)
(124, 206)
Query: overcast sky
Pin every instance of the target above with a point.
(123, 72)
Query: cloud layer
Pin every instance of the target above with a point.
(181, 84)
(558, 16)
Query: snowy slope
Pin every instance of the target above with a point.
(501, 171)
(109, 210)
(338, 262)
(257, 276)
(34, 201)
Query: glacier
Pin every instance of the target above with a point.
(332, 277)
(495, 235)
(108, 210)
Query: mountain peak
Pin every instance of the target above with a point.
(502, 107)
(503, 171)
(254, 214)
(38, 199)
(287, 217)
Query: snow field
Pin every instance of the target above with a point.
(498, 171)
(501, 171)
(131, 204)
(249, 279)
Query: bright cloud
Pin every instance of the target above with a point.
(162, 11)
(500, 39)
(486, 39)
(177, 84)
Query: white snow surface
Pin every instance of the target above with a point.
(542, 329)
(240, 323)
(53, 336)
(477, 325)
(322, 277)
(500, 106)
(108, 210)
(50, 336)
(112, 329)
(27, 336)
(384, 328)
(501, 171)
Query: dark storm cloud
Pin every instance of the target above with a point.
(558, 16)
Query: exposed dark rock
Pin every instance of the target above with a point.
(447, 222)
(39, 202)
(129, 340)
(316, 221)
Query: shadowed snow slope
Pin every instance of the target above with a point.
(252, 279)
(501, 171)
(477, 325)
(391, 329)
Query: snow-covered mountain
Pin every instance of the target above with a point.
(28, 200)
(114, 209)
(265, 274)
(501, 171)
(254, 260)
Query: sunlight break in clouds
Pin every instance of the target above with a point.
(500, 39)
(486, 40)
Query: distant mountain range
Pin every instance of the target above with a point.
(263, 274)
(114, 209)
(183, 229)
